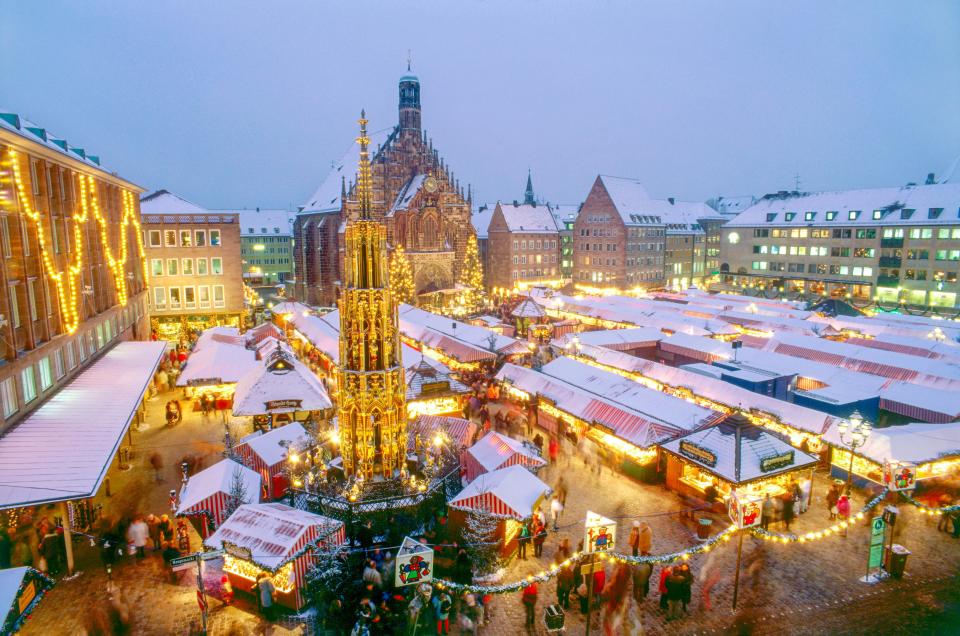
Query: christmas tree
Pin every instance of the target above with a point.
(480, 539)
(401, 276)
(471, 276)
(237, 495)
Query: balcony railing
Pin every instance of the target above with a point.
(890, 261)
(891, 242)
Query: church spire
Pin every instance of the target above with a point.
(528, 196)
(364, 180)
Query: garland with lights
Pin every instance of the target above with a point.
(819, 534)
(44, 583)
(612, 557)
(68, 281)
(929, 510)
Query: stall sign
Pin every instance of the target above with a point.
(775, 462)
(744, 509)
(414, 563)
(430, 388)
(282, 404)
(699, 453)
(899, 475)
(237, 551)
(204, 381)
(26, 596)
(600, 533)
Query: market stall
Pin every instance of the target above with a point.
(266, 454)
(218, 361)
(432, 390)
(932, 450)
(494, 451)
(277, 541)
(735, 454)
(279, 390)
(456, 431)
(511, 494)
(207, 495)
(527, 313)
(20, 591)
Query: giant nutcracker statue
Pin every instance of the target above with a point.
(372, 407)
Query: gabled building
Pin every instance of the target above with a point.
(524, 245)
(414, 192)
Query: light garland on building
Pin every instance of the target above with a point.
(67, 281)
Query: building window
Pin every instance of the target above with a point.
(156, 267)
(159, 297)
(170, 238)
(8, 395)
(203, 292)
(187, 266)
(215, 238)
(771, 217)
(789, 216)
(100, 339)
(32, 299)
(809, 216)
(172, 265)
(831, 215)
(877, 215)
(189, 297)
(153, 238)
(218, 300)
(5, 236)
(46, 375)
(14, 307)
(82, 347)
(186, 240)
(174, 298)
(29, 382)
(201, 267)
(71, 356)
(216, 266)
(200, 238)
(852, 215)
(58, 367)
(515, 244)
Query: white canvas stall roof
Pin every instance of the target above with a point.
(636, 311)
(217, 335)
(915, 443)
(478, 337)
(756, 444)
(927, 347)
(695, 346)
(426, 372)
(269, 345)
(493, 449)
(921, 402)
(223, 362)
(218, 478)
(459, 430)
(528, 309)
(880, 324)
(10, 581)
(771, 323)
(730, 395)
(270, 446)
(64, 448)
(289, 307)
(261, 385)
(616, 339)
(699, 295)
(270, 531)
(528, 218)
(514, 487)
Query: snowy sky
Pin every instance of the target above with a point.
(244, 104)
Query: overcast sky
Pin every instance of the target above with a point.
(245, 104)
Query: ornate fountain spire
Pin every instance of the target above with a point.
(371, 407)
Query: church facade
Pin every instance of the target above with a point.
(414, 193)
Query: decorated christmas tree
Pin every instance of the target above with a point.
(237, 495)
(480, 540)
(471, 276)
(401, 276)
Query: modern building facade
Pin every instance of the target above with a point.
(524, 246)
(414, 192)
(266, 245)
(193, 255)
(72, 266)
(885, 244)
(625, 239)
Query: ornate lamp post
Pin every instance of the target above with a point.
(854, 433)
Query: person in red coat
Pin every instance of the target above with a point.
(529, 600)
(554, 449)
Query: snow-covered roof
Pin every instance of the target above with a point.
(218, 479)
(63, 449)
(165, 202)
(414, 320)
(920, 402)
(636, 207)
(406, 194)
(458, 429)
(494, 448)
(936, 204)
(215, 336)
(628, 195)
(271, 531)
(732, 206)
(327, 196)
(294, 388)
(431, 372)
(260, 222)
(616, 339)
(35, 133)
(756, 445)
(217, 362)
(480, 218)
(914, 443)
(528, 218)
(270, 446)
(527, 308)
(515, 488)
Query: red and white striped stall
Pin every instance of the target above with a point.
(459, 431)
(275, 540)
(494, 451)
(204, 497)
(266, 453)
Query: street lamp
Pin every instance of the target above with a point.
(854, 433)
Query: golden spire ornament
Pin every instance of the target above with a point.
(372, 406)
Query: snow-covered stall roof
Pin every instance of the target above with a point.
(616, 339)
(63, 449)
(915, 443)
(527, 308)
(458, 429)
(291, 308)
(416, 322)
(217, 335)
(921, 403)
(528, 218)
(427, 375)
(271, 447)
(286, 387)
(273, 532)
(925, 347)
(204, 486)
(714, 449)
(508, 492)
(217, 362)
(11, 582)
(637, 311)
(769, 323)
(697, 347)
(493, 449)
(258, 334)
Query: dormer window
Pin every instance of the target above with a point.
(934, 213)
(771, 217)
(877, 215)
(809, 216)
(789, 216)
(853, 215)
(831, 215)
(906, 213)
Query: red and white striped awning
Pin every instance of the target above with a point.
(508, 492)
(666, 345)
(625, 425)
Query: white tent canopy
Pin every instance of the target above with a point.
(510, 492)
(913, 443)
(218, 479)
(270, 447)
(217, 363)
(294, 388)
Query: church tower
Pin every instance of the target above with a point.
(528, 196)
(372, 402)
(409, 102)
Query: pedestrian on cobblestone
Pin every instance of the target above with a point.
(662, 587)
(529, 600)
(766, 512)
(843, 510)
(137, 535)
(556, 511)
(442, 604)
(687, 587)
(523, 540)
(646, 539)
(633, 539)
(539, 536)
(833, 496)
(153, 524)
(156, 462)
(266, 590)
(788, 504)
(561, 490)
(674, 584)
(565, 585)
(641, 581)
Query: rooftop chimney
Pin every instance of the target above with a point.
(930, 179)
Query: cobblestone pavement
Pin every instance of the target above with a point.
(809, 588)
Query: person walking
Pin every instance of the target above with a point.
(442, 604)
(674, 584)
(662, 587)
(565, 586)
(523, 540)
(137, 535)
(166, 528)
(539, 536)
(553, 449)
(687, 586)
(843, 510)
(645, 543)
(529, 600)
(226, 590)
(156, 462)
(153, 525)
(641, 580)
(266, 591)
(766, 512)
(372, 575)
(633, 540)
(556, 510)
(561, 490)
(50, 550)
(788, 504)
(832, 498)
